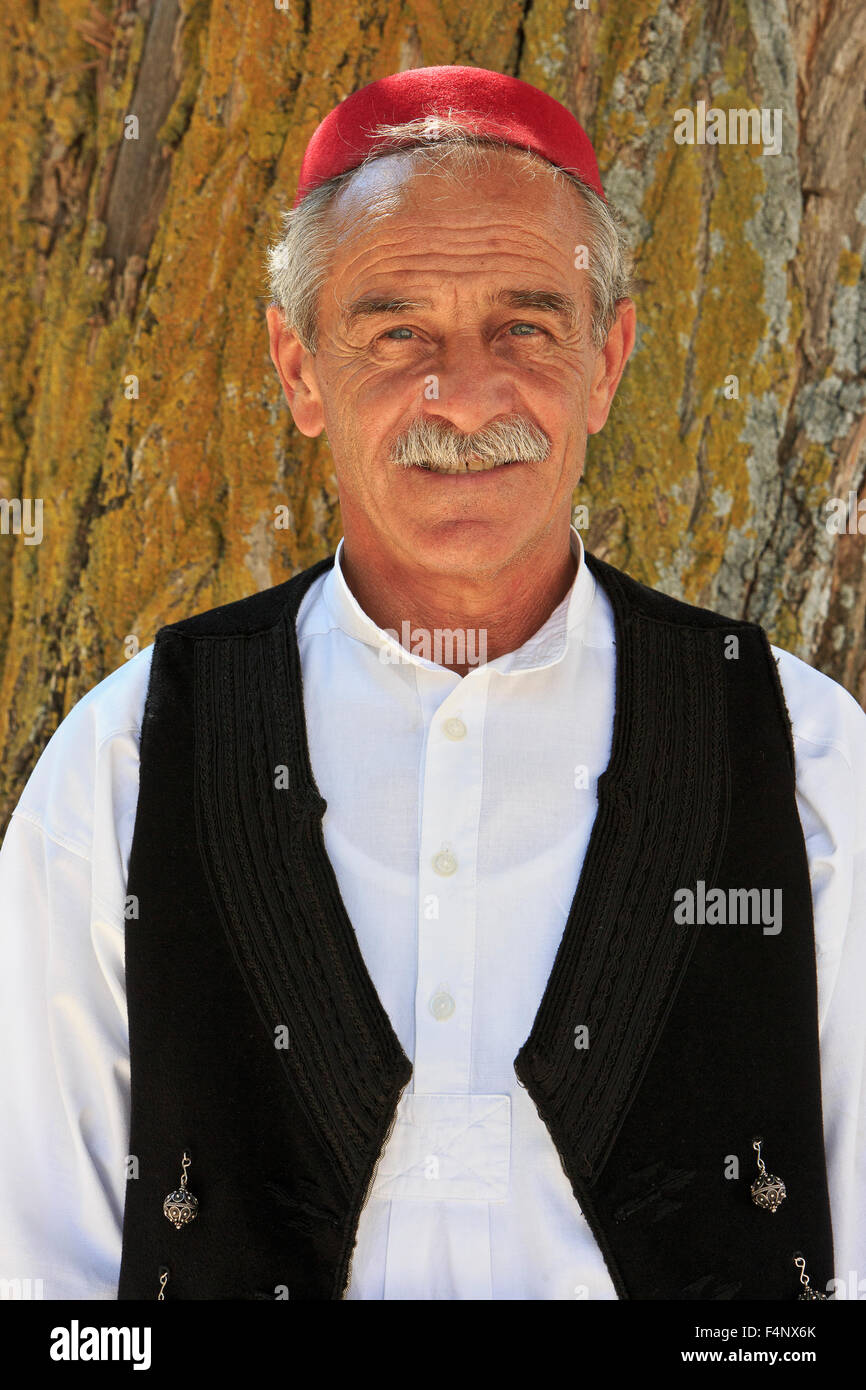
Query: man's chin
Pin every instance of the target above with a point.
(466, 542)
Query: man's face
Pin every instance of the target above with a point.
(495, 325)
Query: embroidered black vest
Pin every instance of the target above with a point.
(258, 1042)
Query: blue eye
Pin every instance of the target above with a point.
(534, 326)
(401, 329)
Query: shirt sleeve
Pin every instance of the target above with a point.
(829, 730)
(64, 1073)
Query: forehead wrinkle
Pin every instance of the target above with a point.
(389, 258)
(390, 270)
(496, 223)
(475, 238)
(555, 211)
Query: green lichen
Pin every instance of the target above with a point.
(849, 268)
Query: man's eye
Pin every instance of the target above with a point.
(533, 327)
(401, 329)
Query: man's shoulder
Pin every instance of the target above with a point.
(829, 731)
(113, 706)
(821, 710)
(96, 742)
(112, 712)
(117, 700)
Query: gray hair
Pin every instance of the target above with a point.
(297, 262)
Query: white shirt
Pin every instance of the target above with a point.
(457, 834)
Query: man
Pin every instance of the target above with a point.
(461, 895)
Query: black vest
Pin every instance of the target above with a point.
(701, 1036)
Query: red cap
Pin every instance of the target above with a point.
(489, 103)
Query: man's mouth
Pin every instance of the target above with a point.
(474, 465)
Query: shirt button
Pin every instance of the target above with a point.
(454, 728)
(442, 1006)
(444, 862)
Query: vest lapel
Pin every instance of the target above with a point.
(661, 807)
(259, 815)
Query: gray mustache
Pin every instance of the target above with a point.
(430, 443)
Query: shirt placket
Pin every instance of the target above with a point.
(450, 813)
(449, 822)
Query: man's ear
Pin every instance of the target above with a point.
(294, 366)
(610, 366)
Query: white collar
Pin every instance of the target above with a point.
(545, 647)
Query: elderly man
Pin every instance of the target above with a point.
(473, 888)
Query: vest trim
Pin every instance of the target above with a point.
(660, 824)
(259, 819)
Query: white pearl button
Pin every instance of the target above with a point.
(444, 862)
(454, 728)
(442, 1006)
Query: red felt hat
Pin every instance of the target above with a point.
(489, 103)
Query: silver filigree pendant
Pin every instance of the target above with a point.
(768, 1192)
(180, 1206)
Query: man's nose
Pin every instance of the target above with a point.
(468, 385)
